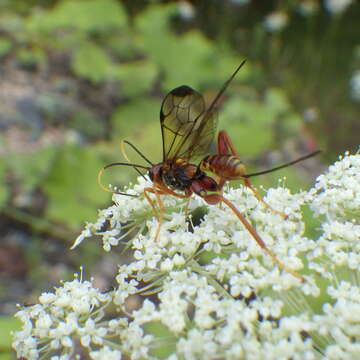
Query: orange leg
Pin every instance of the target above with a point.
(224, 144)
(160, 190)
(260, 199)
(159, 214)
(217, 198)
(226, 147)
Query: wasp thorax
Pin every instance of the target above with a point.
(178, 174)
(176, 179)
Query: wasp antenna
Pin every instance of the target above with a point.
(224, 87)
(100, 183)
(284, 165)
(100, 173)
(125, 164)
(137, 151)
(122, 147)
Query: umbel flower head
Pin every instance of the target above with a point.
(208, 290)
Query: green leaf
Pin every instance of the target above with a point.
(277, 101)
(183, 59)
(312, 223)
(138, 122)
(122, 45)
(72, 188)
(136, 78)
(134, 116)
(164, 337)
(249, 122)
(186, 60)
(87, 123)
(257, 123)
(155, 19)
(220, 70)
(87, 16)
(91, 62)
(32, 168)
(7, 324)
(189, 58)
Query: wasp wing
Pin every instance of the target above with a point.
(187, 128)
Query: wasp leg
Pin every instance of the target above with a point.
(161, 190)
(262, 201)
(186, 209)
(159, 214)
(217, 198)
(224, 144)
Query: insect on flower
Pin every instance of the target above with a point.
(188, 129)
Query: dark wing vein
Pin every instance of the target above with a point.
(187, 128)
(180, 115)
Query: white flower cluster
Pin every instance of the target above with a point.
(337, 6)
(74, 311)
(276, 21)
(336, 199)
(209, 290)
(308, 7)
(186, 10)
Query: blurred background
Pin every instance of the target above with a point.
(78, 76)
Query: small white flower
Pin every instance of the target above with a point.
(63, 357)
(92, 333)
(47, 298)
(310, 114)
(337, 6)
(84, 234)
(167, 265)
(81, 306)
(125, 289)
(198, 344)
(44, 322)
(186, 10)
(66, 341)
(276, 21)
(105, 354)
(308, 7)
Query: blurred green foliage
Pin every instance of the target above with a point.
(5, 46)
(3, 188)
(85, 17)
(90, 62)
(32, 168)
(137, 50)
(72, 185)
(7, 324)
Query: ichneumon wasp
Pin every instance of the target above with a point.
(188, 129)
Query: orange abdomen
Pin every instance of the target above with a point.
(226, 166)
